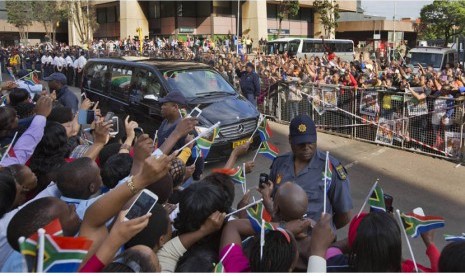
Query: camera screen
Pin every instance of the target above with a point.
(142, 206)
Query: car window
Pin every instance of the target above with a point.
(97, 77)
(120, 82)
(194, 83)
(144, 86)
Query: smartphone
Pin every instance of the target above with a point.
(108, 116)
(195, 113)
(388, 203)
(86, 117)
(138, 131)
(142, 205)
(263, 180)
(115, 127)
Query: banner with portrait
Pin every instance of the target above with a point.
(453, 144)
(369, 103)
(384, 134)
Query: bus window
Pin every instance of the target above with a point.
(308, 47)
(294, 47)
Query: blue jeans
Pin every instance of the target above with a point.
(251, 98)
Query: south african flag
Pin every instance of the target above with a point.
(64, 254)
(203, 145)
(269, 150)
(376, 200)
(256, 215)
(264, 130)
(415, 224)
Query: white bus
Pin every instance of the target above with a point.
(300, 47)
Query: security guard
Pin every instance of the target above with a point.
(305, 166)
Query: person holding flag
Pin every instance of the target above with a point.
(170, 110)
(305, 166)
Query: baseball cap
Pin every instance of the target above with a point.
(249, 64)
(60, 77)
(302, 130)
(174, 97)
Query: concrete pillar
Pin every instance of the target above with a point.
(132, 17)
(254, 18)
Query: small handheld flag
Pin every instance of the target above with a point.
(213, 129)
(264, 130)
(236, 174)
(376, 200)
(406, 239)
(155, 140)
(244, 208)
(368, 196)
(269, 150)
(259, 122)
(258, 214)
(65, 254)
(452, 238)
(9, 152)
(415, 224)
(244, 184)
(202, 148)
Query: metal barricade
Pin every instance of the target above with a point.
(433, 126)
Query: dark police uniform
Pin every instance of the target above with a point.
(310, 178)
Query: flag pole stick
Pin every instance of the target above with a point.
(40, 252)
(406, 238)
(262, 238)
(227, 252)
(326, 180)
(155, 138)
(9, 147)
(368, 196)
(200, 135)
(245, 180)
(260, 121)
(256, 153)
(244, 208)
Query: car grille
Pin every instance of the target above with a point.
(238, 130)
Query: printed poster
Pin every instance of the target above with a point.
(369, 103)
(317, 102)
(399, 134)
(329, 95)
(414, 106)
(384, 134)
(453, 144)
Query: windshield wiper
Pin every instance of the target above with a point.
(212, 93)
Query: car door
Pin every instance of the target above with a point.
(146, 91)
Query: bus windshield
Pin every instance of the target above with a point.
(427, 59)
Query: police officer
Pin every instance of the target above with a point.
(305, 166)
(250, 83)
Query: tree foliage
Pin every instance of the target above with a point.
(286, 9)
(19, 15)
(84, 19)
(442, 20)
(49, 13)
(329, 14)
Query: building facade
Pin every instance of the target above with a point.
(257, 19)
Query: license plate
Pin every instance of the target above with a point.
(239, 142)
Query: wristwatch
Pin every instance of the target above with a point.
(125, 146)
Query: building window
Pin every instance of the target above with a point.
(271, 11)
(111, 15)
(222, 8)
(101, 15)
(306, 14)
(154, 10)
(204, 8)
(187, 9)
(167, 9)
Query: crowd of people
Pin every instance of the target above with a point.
(86, 178)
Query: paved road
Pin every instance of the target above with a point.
(413, 179)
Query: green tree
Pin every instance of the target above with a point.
(442, 19)
(286, 9)
(83, 16)
(20, 15)
(49, 13)
(329, 14)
